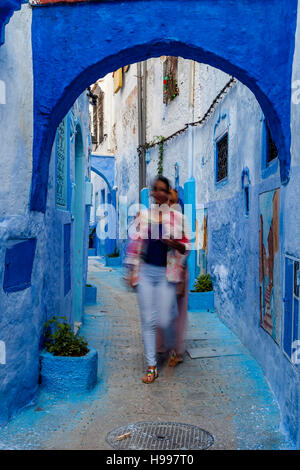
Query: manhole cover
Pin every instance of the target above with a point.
(159, 436)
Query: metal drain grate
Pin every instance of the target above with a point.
(160, 436)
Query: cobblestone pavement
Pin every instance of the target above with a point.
(227, 395)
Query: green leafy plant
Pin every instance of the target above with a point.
(203, 283)
(160, 140)
(176, 92)
(60, 340)
(160, 164)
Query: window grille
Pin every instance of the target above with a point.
(61, 165)
(98, 120)
(100, 117)
(222, 158)
(170, 79)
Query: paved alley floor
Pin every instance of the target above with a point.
(227, 395)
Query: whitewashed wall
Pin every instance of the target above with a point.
(198, 85)
(16, 114)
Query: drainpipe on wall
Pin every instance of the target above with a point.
(192, 88)
(141, 86)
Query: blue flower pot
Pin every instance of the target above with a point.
(201, 301)
(90, 295)
(67, 375)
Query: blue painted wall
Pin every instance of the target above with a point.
(32, 292)
(233, 239)
(233, 232)
(233, 36)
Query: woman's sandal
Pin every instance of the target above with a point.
(150, 376)
(174, 359)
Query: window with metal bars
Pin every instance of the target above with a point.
(98, 120)
(222, 158)
(170, 79)
(61, 174)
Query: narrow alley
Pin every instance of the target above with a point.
(150, 175)
(226, 395)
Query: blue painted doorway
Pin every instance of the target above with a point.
(291, 305)
(78, 213)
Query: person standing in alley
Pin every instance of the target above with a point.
(154, 259)
(182, 293)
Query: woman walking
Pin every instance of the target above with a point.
(154, 259)
(182, 293)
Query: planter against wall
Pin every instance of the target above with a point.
(113, 261)
(90, 295)
(61, 374)
(201, 301)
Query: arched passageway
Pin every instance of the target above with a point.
(103, 167)
(75, 44)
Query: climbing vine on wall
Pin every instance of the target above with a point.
(160, 165)
(158, 140)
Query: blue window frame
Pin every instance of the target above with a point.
(221, 159)
(269, 158)
(62, 166)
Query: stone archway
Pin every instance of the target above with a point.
(104, 167)
(74, 44)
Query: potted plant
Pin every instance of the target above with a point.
(68, 365)
(113, 259)
(202, 296)
(90, 294)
